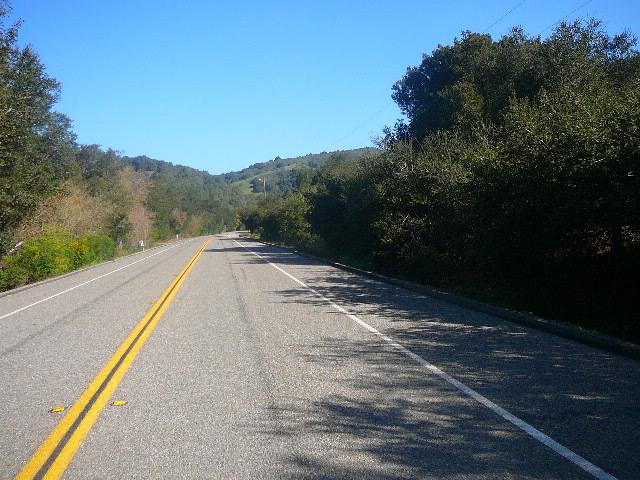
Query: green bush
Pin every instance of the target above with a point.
(101, 247)
(282, 220)
(54, 252)
(50, 254)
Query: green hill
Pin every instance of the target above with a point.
(190, 201)
(284, 175)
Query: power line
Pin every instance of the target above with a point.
(565, 17)
(503, 16)
(354, 130)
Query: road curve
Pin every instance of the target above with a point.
(266, 364)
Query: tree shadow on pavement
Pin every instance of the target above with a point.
(582, 397)
(389, 420)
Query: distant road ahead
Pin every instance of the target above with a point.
(236, 360)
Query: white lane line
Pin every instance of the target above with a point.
(560, 449)
(87, 282)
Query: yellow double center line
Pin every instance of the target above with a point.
(57, 451)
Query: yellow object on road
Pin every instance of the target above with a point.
(56, 453)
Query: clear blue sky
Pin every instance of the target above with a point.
(219, 85)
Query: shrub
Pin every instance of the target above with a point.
(101, 247)
(54, 252)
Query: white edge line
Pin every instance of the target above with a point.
(87, 282)
(560, 449)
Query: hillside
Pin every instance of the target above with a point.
(284, 175)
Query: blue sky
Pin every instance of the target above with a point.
(219, 85)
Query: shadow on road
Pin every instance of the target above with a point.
(417, 425)
(399, 421)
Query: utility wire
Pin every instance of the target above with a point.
(565, 17)
(354, 130)
(503, 16)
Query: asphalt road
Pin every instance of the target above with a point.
(301, 371)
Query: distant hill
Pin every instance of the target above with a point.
(187, 200)
(284, 175)
(311, 160)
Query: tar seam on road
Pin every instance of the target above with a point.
(84, 283)
(55, 454)
(560, 449)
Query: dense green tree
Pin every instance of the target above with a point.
(281, 219)
(344, 207)
(474, 80)
(566, 177)
(36, 143)
(424, 198)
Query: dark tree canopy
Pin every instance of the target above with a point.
(474, 80)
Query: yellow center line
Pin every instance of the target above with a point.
(55, 454)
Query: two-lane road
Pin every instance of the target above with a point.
(239, 360)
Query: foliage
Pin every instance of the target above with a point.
(566, 175)
(35, 142)
(474, 80)
(344, 206)
(54, 252)
(188, 201)
(281, 219)
(424, 197)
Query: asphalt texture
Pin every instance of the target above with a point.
(250, 375)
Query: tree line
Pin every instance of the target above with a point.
(514, 178)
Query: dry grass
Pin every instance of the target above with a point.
(71, 208)
(138, 185)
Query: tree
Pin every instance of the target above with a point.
(474, 80)
(566, 179)
(344, 206)
(36, 143)
(281, 219)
